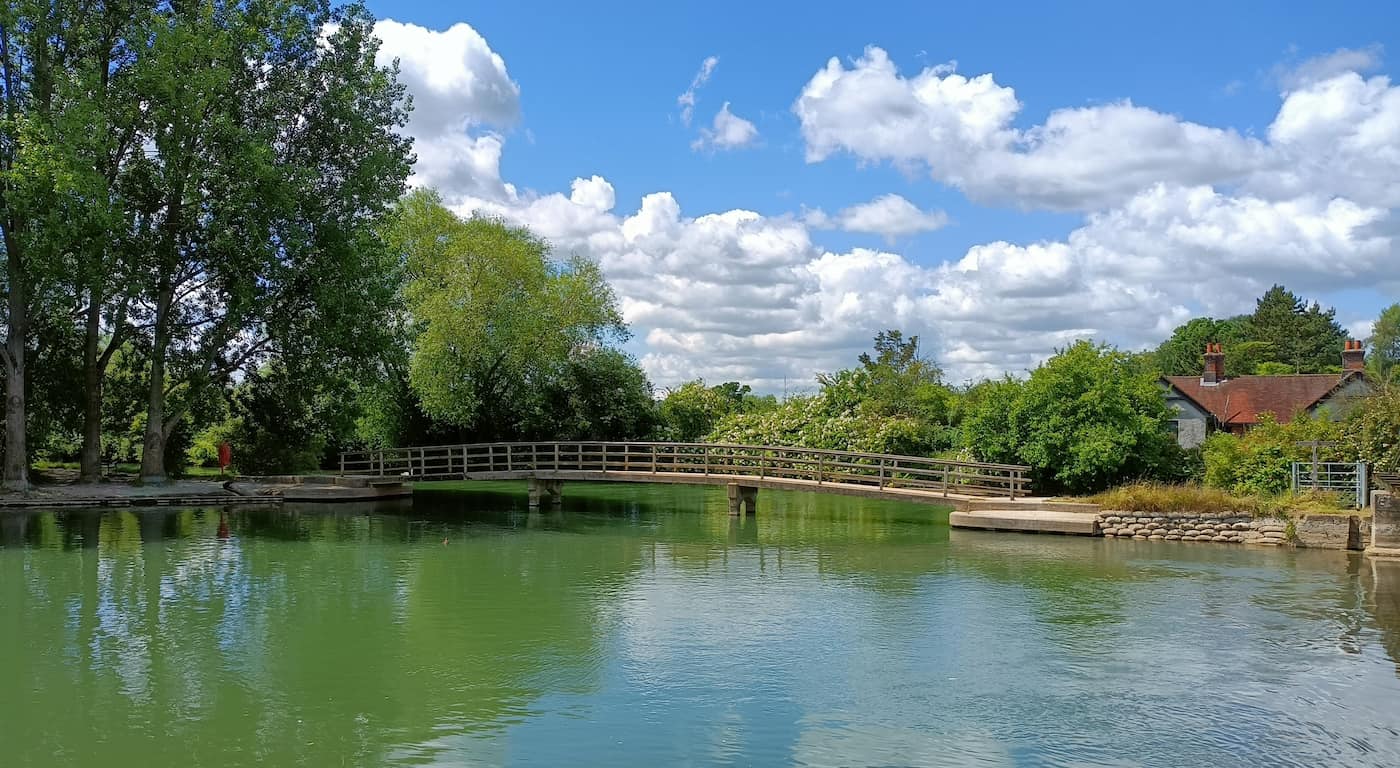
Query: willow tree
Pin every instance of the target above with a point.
(271, 154)
(495, 316)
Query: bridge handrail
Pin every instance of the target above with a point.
(720, 459)
(740, 446)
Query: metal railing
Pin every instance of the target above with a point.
(717, 461)
(1348, 480)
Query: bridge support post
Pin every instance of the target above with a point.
(742, 497)
(554, 489)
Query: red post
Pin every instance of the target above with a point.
(225, 456)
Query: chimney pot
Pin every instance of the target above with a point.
(1214, 371)
(1353, 357)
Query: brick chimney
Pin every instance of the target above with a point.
(1353, 356)
(1214, 372)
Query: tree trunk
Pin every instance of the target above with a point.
(90, 461)
(16, 448)
(153, 446)
(16, 471)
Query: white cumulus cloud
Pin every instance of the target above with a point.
(890, 216)
(1179, 217)
(1328, 65)
(960, 130)
(728, 131)
(460, 91)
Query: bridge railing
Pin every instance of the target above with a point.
(812, 465)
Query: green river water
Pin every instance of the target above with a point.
(642, 626)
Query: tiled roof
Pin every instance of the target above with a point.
(1241, 400)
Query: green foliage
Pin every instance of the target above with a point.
(1273, 369)
(1283, 335)
(1163, 498)
(1385, 343)
(1261, 460)
(984, 415)
(892, 403)
(272, 141)
(599, 394)
(823, 420)
(275, 425)
(494, 314)
(691, 411)
(1088, 417)
(1372, 427)
(1304, 337)
(1180, 355)
(901, 383)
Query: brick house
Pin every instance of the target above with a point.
(1212, 402)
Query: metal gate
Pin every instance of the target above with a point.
(1347, 480)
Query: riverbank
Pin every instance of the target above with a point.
(1315, 531)
(123, 494)
(186, 492)
(1184, 513)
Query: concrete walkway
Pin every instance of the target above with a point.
(243, 490)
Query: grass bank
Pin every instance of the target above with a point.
(1163, 498)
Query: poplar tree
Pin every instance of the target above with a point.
(40, 198)
(271, 157)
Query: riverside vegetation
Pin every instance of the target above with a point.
(207, 239)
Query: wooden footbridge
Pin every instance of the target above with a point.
(742, 468)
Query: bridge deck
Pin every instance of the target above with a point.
(887, 476)
(941, 498)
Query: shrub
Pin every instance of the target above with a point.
(1089, 417)
(1261, 460)
(1372, 429)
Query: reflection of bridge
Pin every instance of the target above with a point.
(743, 468)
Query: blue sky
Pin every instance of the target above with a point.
(596, 88)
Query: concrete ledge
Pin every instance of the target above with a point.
(1032, 504)
(320, 487)
(1027, 520)
(342, 481)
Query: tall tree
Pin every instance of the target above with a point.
(39, 196)
(1180, 355)
(495, 313)
(271, 156)
(107, 110)
(1385, 342)
(900, 381)
(1303, 336)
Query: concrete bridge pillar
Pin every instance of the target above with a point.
(744, 496)
(1385, 525)
(539, 488)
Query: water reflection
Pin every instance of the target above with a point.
(646, 626)
(1381, 580)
